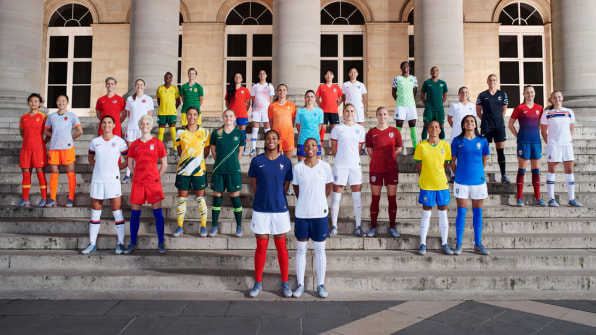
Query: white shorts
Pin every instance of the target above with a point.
(132, 134)
(341, 176)
(270, 223)
(476, 192)
(405, 113)
(259, 116)
(559, 153)
(102, 191)
(359, 117)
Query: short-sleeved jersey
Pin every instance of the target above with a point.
(383, 143)
(137, 108)
(348, 138)
(558, 123)
(329, 96)
(113, 107)
(309, 124)
(434, 94)
(238, 104)
(167, 99)
(470, 170)
(192, 158)
(226, 150)
(354, 93)
(492, 108)
(107, 158)
(262, 97)
(458, 111)
(529, 123)
(191, 96)
(32, 126)
(433, 158)
(312, 200)
(405, 90)
(146, 156)
(271, 176)
(61, 126)
(282, 118)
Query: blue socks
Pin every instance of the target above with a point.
(460, 223)
(134, 225)
(477, 223)
(159, 224)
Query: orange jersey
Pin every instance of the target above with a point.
(32, 126)
(282, 118)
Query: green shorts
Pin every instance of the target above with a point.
(226, 182)
(186, 183)
(166, 119)
(429, 116)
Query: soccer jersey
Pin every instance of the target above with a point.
(61, 126)
(137, 108)
(433, 158)
(312, 200)
(146, 156)
(262, 97)
(348, 138)
(354, 93)
(458, 111)
(529, 123)
(434, 95)
(192, 158)
(405, 90)
(167, 99)
(309, 124)
(191, 96)
(282, 118)
(238, 104)
(32, 126)
(383, 143)
(226, 151)
(271, 176)
(470, 169)
(329, 96)
(107, 158)
(492, 108)
(113, 107)
(558, 125)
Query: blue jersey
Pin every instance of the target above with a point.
(470, 170)
(492, 109)
(529, 123)
(271, 176)
(309, 124)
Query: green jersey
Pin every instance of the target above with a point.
(404, 87)
(434, 95)
(191, 96)
(226, 150)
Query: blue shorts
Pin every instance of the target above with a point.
(315, 229)
(300, 150)
(529, 150)
(432, 198)
(242, 121)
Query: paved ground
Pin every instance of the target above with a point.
(296, 317)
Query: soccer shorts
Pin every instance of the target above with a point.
(146, 194)
(166, 119)
(184, 122)
(259, 116)
(353, 176)
(559, 153)
(62, 157)
(384, 178)
(241, 121)
(270, 223)
(476, 192)
(432, 198)
(187, 183)
(438, 116)
(286, 142)
(405, 113)
(300, 150)
(33, 158)
(331, 118)
(529, 150)
(315, 229)
(359, 117)
(132, 135)
(496, 134)
(109, 190)
(226, 182)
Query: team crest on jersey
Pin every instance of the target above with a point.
(281, 166)
(37, 120)
(537, 112)
(235, 138)
(114, 101)
(373, 179)
(334, 89)
(143, 101)
(151, 147)
(442, 151)
(357, 131)
(478, 145)
(390, 135)
(457, 190)
(195, 89)
(66, 118)
(114, 145)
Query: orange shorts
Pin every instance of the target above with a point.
(33, 158)
(62, 157)
(286, 142)
(149, 194)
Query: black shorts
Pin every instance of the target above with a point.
(496, 134)
(331, 118)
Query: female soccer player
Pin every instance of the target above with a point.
(137, 105)
(329, 97)
(309, 121)
(59, 127)
(347, 140)
(528, 144)
(33, 151)
(457, 111)
(227, 144)
(383, 144)
(168, 99)
(238, 100)
(262, 96)
(282, 114)
(354, 92)
(111, 104)
(557, 126)
(270, 176)
(191, 173)
(104, 155)
(143, 155)
(312, 184)
(432, 156)
(191, 94)
(470, 151)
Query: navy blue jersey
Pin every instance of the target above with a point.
(492, 108)
(271, 176)
(470, 170)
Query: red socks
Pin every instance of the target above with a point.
(282, 258)
(41, 176)
(374, 210)
(392, 210)
(26, 185)
(260, 258)
(520, 184)
(322, 135)
(536, 184)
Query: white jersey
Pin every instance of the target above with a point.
(262, 94)
(458, 111)
(348, 138)
(312, 201)
(558, 123)
(353, 93)
(137, 108)
(107, 158)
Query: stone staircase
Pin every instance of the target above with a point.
(543, 251)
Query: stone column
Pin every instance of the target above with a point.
(296, 45)
(439, 41)
(21, 33)
(153, 42)
(574, 51)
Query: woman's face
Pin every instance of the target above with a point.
(192, 75)
(282, 91)
(61, 102)
(272, 141)
(107, 125)
(353, 74)
(529, 94)
(349, 113)
(168, 78)
(434, 129)
(146, 126)
(229, 118)
(309, 99)
(262, 75)
(238, 78)
(469, 123)
(311, 148)
(34, 103)
(192, 116)
(556, 98)
(382, 116)
(464, 94)
(140, 87)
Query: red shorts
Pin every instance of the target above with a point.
(62, 157)
(33, 158)
(149, 194)
(384, 178)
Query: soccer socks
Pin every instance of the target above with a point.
(53, 185)
(550, 185)
(26, 185)
(94, 225)
(569, 178)
(127, 172)
(260, 258)
(202, 210)
(254, 136)
(536, 183)
(442, 134)
(181, 211)
(334, 208)
(159, 224)
(119, 225)
(244, 132)
(424, 224)
(414, 136)
(72, 185)
(322, 135)
(282, 258)
(301, 247)
(357, 199)
(135, 217)
(424, 134)
(477, 224)
(41, 176)
(320, 260)
(501, 160)
(161, 133)
(392, 210)
(374, 210)
(520, 182)
(443, 226)
(173, 135)
(460, 224)
(215, 210)
(237, 208)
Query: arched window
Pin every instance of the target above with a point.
(341, 13)
(249, 13)
(71, 15)
(520, 14)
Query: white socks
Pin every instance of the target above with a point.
(356, 197)
(334, 208)
(94, 225)
(119, 225)
(550, 185)
(321, 261)
(253, 137)
(570, 185)
(301, 247)
(443, 226)
(424, 224)
(127, 172)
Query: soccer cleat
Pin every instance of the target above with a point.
(422, 250)
(574, 203)
(285, 289)
(131, 249)
(253, 152)
(359, 232)
(119, 249)
(539, 203)
(333, 231)
(520, 202)
(126, 180)
(255, 290)
(213, 231)
(24, 203)
(446, 249)
(42, 203)
(69, 203)
(393, 232)
(372, 232)
(553, 203)
(479, 249)
(90, 248)
(238, 231)
(298, 292)
(505, 180)
(321, 291)
(162, 248)
(179, 232)
(51, 203)
(245, 153)
(458, 249)
(203, 232)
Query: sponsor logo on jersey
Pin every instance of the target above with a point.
(281, 166)
(260, 166)
(478, 145)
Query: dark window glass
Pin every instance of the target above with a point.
(533, 73)
(83, 46)
(58, 46)
(533, 46)
(411, 17)
(341, 13)
(411, 46)
(180, 19)
(258, 65)
(359, 66)
(53, 93)
(507, 46)
(179, 73)
(522, 15)
(249, 13)
(329, 46)
(81, 96)
(509, 72)
(539, 97)
(237, 45)
(529, 15)
(179, 45)
(512, 94)
(57, 73)
(328, 64)
(353, 46)
(412, 68)
(509, 14)
(262, 45)
(81, 73)
(235, 66)
(71, 15)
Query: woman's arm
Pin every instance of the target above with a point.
(79, 132)
(511, 126)
(253, 183)
(164, 165)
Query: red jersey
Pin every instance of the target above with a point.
(238, 104)
(282, 118)
(112, 107)
(383, 143)
(146, 156)
(329, 96)
(32, 126)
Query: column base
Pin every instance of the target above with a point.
(13, 103)
(579, 101)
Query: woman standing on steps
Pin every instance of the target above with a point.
(270, 176)
(262, 94)
(238, 100)
(191, 94)
(282, 114)
(457, 111)
(309, 121)
(469, 153)
(227, 144)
